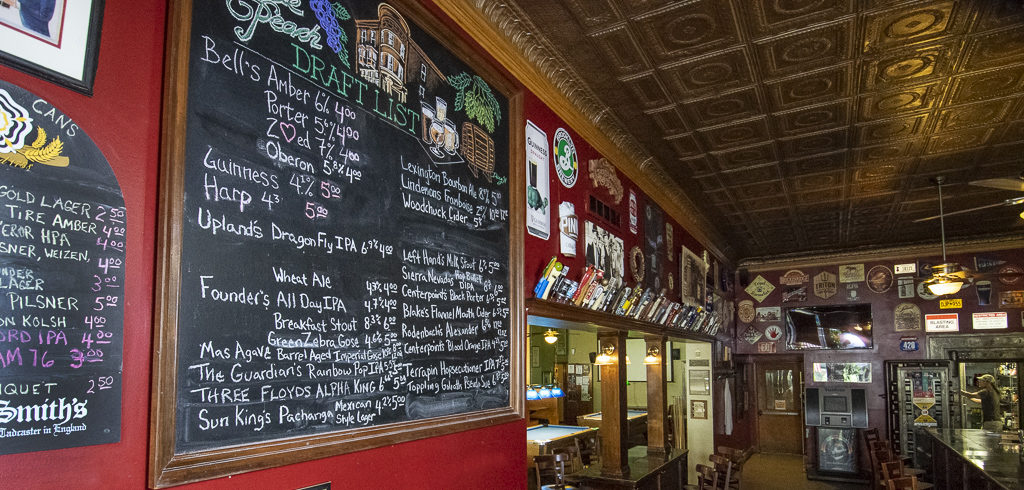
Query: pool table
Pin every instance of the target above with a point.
(636, 423)
(546, 439)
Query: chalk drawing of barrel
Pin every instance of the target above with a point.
(478, 150)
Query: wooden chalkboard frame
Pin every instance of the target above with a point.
(167, 467)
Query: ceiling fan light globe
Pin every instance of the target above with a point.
(943, 286)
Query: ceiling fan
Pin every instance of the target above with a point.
(1004, 183)
(949, 277)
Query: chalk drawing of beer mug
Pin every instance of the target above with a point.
(451, 138)
(427, 122)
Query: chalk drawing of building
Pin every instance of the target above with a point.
(388, 57)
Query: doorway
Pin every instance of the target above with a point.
(780, 406)
(1008, 382)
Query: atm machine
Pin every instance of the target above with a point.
(837, 413)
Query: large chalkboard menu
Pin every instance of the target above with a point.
(338, 232)
(62, 271)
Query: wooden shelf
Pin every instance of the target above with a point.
(558, 315)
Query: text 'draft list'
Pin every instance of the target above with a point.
(335, 274)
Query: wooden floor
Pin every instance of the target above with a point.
(784, 472)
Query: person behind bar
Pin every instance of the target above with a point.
(989, 397)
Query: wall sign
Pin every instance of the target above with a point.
(62, 269)
(793, 278)
(905, 268)
(909, 344)
(759, 288)
(1011, 299)
(538, 192)
(851, 273)
(879, 279)
(773, 333)
(952, 303)
(924, 292)
(989, 321)
(566, 164)
(766, 347)
(344, 263)
(825, 285)
(752, 335)
(746, 311)
(905, 287)
(942, 322)
(907, 317)
(634, 213)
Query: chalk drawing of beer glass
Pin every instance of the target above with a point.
(427, 121)
(451, 138)
(442, 109)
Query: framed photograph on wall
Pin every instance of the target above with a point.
(56, 40)
(698, 409)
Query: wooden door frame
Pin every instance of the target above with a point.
(776, 358)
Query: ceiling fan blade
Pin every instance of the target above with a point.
(1008, 202)
(1009, 184)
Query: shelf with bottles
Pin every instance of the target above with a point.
(613, 300)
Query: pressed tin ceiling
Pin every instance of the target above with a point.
(799, 126)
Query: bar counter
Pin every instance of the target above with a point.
(974, 459)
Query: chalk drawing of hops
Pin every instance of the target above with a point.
(15, 124)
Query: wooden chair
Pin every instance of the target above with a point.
(738, 457)
(590, 450)
(707, 479)
(883, 445)
(902, 483)
(551, 468)
(892, 470)
(723, 467)
(575, 461)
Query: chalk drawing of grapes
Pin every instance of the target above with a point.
(475, 95)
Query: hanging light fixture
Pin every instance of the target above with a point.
(947, 277)
(531, 393)
(557, 392)
(551, 336)
(653, 355)
(545, 392)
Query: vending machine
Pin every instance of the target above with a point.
(918, 394)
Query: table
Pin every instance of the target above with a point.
(973, 459)
(546, 439)
(636, 425)
(647, 471)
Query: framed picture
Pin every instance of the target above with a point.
(56, 40)
(535, 356)
(698, 409)
(700, 381)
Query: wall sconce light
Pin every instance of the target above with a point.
(551, 336)
(605, 357)
(653, 355)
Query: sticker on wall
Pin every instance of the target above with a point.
(905, 268)
(1011, 299)
(924, 293)
(851, 273)
(602, 174)
(942, 322)
(909, 344)
(634, 214)
(907, 317)
(538, 191)
(825, 285)
(853, 291)
(752, 335)
(879, 279)
(766, 347)
(984, 291)
(671, 280)
(794, 294)
(989, 321)
(768, 314)
(793, 278)
(952, 303)
(746, 311)
(568, 229)
(773, 333)
(905, 287)
(566, 165)
(759, 288)
(669, 242)
(1013, 276)
(62, 277)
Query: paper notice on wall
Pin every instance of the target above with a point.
(989, 321)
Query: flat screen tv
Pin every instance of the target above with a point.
(829, 327)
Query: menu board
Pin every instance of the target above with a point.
(62, 263)
(344, 258)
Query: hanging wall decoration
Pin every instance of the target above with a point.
(879, 279)
(538, 191)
